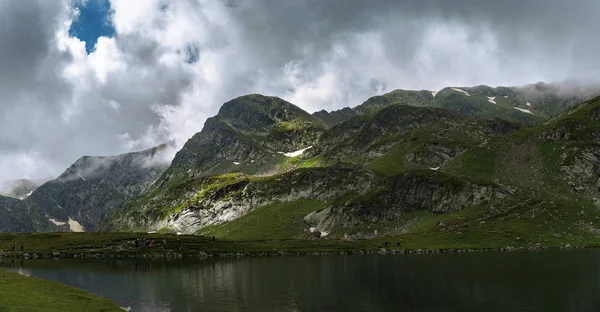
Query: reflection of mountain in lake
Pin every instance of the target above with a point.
(438, 282)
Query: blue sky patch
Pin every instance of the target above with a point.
(92, 23)
(192, 54)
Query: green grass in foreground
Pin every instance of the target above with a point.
(21, 293)
(282, 220)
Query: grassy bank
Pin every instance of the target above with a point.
(21, 293)
(122, 244)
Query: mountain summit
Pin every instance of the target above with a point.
(461, 160)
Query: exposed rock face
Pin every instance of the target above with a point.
(433, 155)
(595, 114)
(582, 169)
(93, 187)
(242, 196)
(500, 126)
(21, 216)
(358, 134)
(431, 191)
(447, 134)
(563, 131)
(251, 128)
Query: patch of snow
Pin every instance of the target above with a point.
(179, 233)
(56, 222)
(236, 163)
(524, 110)
(75, 226)
(435, 169)
(324, 233)
(528, 104)
(252, 161)
(434, 93)
(491, 99)
(506, 96)
(311, 229)
(26, 195)
(151, 232)
(82, 178)
(462, 91)
(297, 153)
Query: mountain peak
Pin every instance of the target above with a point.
(255, 113)
(257, 102)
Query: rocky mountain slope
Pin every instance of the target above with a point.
(533, 186)
(93, 187)
(249, 134)
(390, 170)
(465, 161)
(22, 216)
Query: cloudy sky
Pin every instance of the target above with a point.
(102, 77)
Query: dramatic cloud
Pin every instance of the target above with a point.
(160, 68)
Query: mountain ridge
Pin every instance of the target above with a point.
(208, 206)
(390, 167)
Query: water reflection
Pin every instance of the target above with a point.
(534, 281)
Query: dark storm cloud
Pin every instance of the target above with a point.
(419, 43)
(31, 89)
(284, 29)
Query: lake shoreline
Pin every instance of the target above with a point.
(563, 280)
(166, 246)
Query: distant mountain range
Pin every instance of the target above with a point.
(501, 162)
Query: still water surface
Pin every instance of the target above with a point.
(519, 281)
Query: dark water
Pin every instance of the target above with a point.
(520, 281)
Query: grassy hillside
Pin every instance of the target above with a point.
(281, 220)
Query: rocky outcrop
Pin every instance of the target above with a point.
(581, 167)
(210, 205)
(562, 131)
(430, 191)
(434, 155)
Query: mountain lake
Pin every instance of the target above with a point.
(566, 280)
